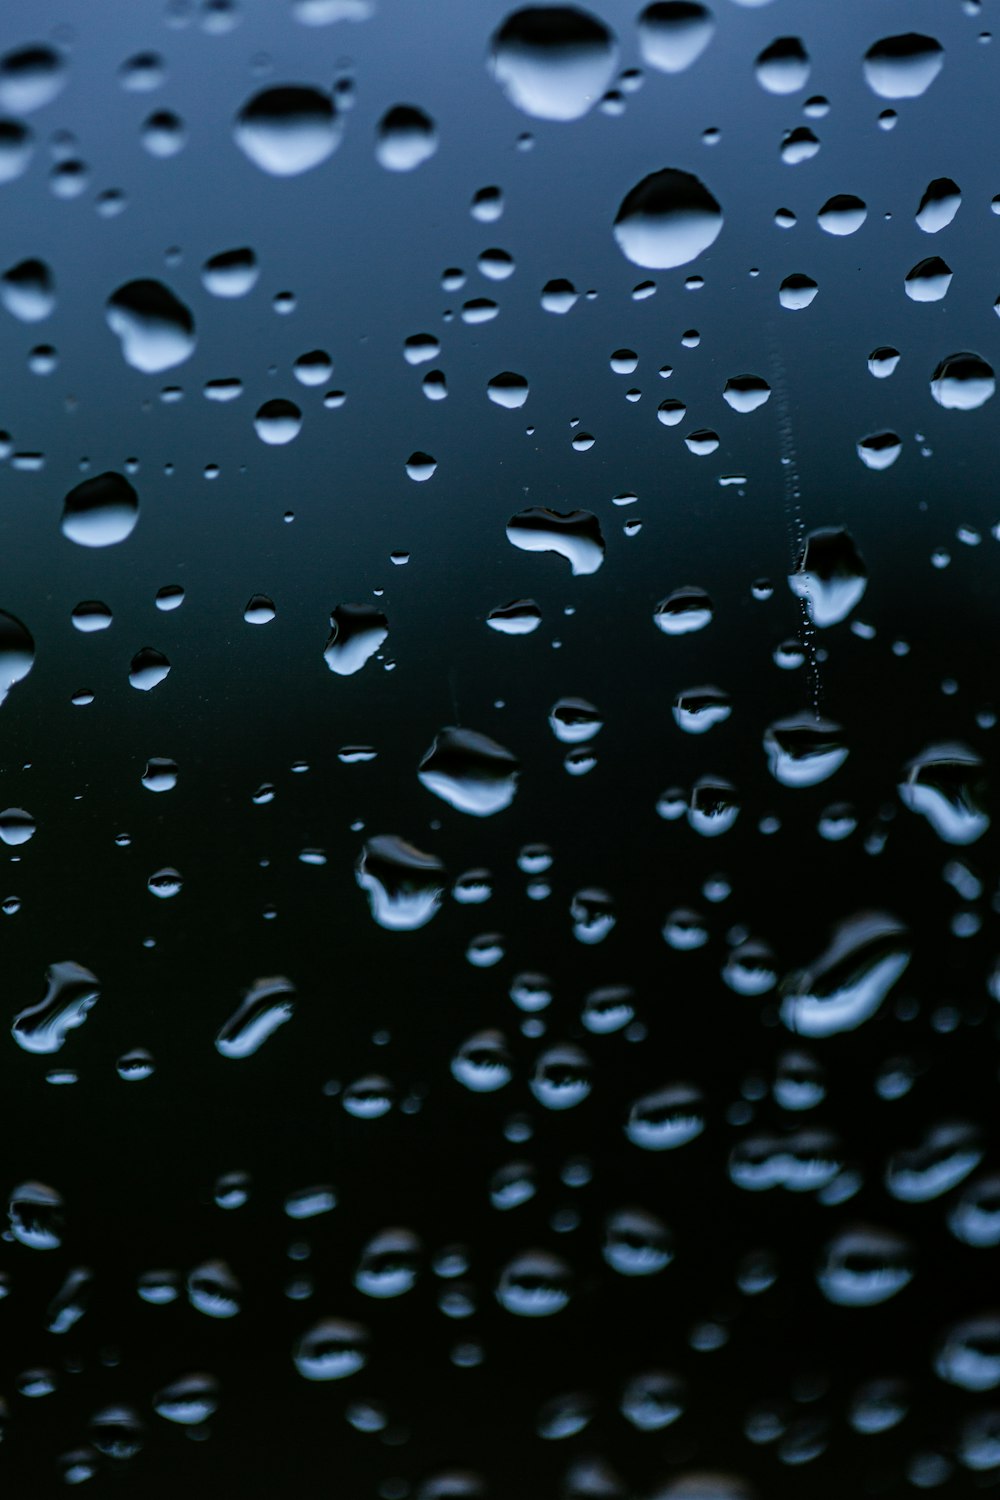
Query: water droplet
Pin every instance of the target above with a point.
(667, 220)
(830, 576)
(16, 826)
(846, 985)
(356, 633)
(683, 612)
(928, 280)
(148, 669)
(969, 1355)
(287, 130)
(404, 885)
(946, 783)
(71, 993)
(745, 393)
(278, 422)
(842, 214)
(259, 610)
(100, 512)
(470, 772)
(136, 1065)
(939, 204)
(674, 33)
(864, 1266)
(30, 78)
(268, 1004)
(231, 273)
(520, 617)
(879, 450)
(574, 535)
(963, 382)
(553, 62)
(696, 710)
(508, 390)
(482, 1063)
(213, 1290)
(637, 1243)
(27, 291)
(534, 1284)
(666, 1119)
(35, 1211)
(155, 330)
(804, 750)
(903, 67)
(406, 137)
(189, 1400)
(797, 291)
(783, 67)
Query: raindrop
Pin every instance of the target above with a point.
(946, 783)
(71, 993)
(231, 273)
(406, 137)
(879, 450)
(928, 280)
(941, 201)
(863, 1267)
(356, 633)
(903, 67)
(574, 535)
(100, 512)
(553, 62)
(804, 750)
(667, 220)
(508, 390)
(520, 617)
(783, 67)
(842, 214)
(746, 393)
(148, 669)
(404, 886)
(830, 576)
(470, 772)
(268, 1004)
(278, 422)
(674, 33)
(27, 291)
(963, 382)
(287, 130)
(30, 78)
(155, 330)
(797, 291)
(846, 985)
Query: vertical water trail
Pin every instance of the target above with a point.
(792, 501)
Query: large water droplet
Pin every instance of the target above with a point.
(804, 750)
(535, 1284)
(797, 291)
(674, 33)
(331, 1349)
(667, 220)
(231, 273)
(156, 331)
(940, 203)
(470, 772)
(928, 280)
(30, 78)
(553, 62)
(783, 67)
(35, 1211)
(902, 67)
(863, 1267)
(842, 214)
(100, 511)
(287, 130)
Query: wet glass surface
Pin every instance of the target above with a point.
(498, 680)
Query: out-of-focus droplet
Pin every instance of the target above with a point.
(189, 1400)
(847, 984)
(903, 67)
(483, 1063)
(231, 273)
(865, 1266)
(666, 1119)
(553, 62)
(469, 771)
(535, 1284)
(574, 535)
(154, 328)
(667, 220)
(331, 1349)
(30, 78)
(28, 291)
(674, 33)
(406, 137)
(830, 575)
(287, 130)
(35, 1211)
(16, 826)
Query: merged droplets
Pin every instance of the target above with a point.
(674, 33)
(404, 886)
(830, 575)
(154, 328)
(947, 784)
(287, 130)
(847, 984)
(101, 511)
(553, 62)
(667, 220)
(903, 67)
(406, 137)
(71, 993)
(469, 771)
(574, 535)
(963, 382)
